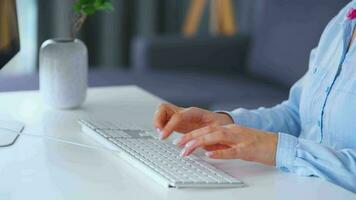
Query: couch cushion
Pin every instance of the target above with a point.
(182, 88)
(286, 32)
(195, 89)
(200, 54)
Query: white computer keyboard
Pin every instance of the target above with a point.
(160, 160)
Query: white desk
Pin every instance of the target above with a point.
(39, 168)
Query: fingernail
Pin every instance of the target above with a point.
(177, 141)
(208, 154)
(191, 143)
(160, 133)
(182, 153)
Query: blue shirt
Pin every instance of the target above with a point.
(317, 124)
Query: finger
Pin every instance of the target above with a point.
(194, 134)
(162, 115)
(178, 120)
(217, 137)
(231, 153)
(173, 123)
(216, 147)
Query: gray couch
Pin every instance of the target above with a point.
(223, 73)
(246, 71)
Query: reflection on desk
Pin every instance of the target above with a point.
(38, 168)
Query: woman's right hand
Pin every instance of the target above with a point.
(169, 118)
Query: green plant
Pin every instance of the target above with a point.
(85, 8)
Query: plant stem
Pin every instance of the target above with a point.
(78, 23)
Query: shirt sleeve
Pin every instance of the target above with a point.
(281, 118)
(308, 158)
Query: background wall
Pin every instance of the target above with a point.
(108, 35)
(26, 60)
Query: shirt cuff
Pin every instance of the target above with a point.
(228, 113)
(286, 151)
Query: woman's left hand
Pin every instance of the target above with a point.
(237, 142)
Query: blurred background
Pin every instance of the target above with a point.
(263, 49)
(108, 34)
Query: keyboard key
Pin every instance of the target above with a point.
(161, 157)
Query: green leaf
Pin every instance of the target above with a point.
(103, 4)
(108, 6)
(77, 7)
(89, 10)
(86, 1)
(97, 4)
(89, 7)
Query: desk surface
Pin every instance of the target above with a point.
(38, 167)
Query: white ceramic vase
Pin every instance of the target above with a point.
(63, 73)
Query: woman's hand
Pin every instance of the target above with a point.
(169, 118)
(240, 143)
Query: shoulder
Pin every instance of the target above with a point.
(340, 17)
(333, 26)
(331, 35)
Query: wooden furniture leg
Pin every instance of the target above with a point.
(227, 18)
(222, 19)
(193, 18)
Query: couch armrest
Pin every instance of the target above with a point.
(178, 53)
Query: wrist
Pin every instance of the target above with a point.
(224, 118)
(273, 148)
(274, 142)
